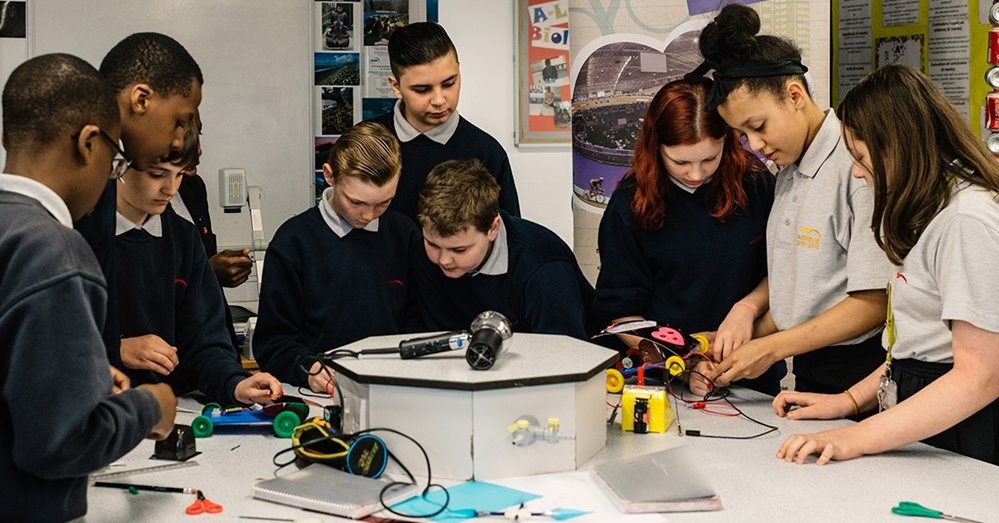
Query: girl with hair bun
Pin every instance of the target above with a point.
(826, 273)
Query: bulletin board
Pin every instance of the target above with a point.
(946, 39)
(351, 65)
(542, 72)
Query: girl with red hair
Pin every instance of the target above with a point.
(682, 239)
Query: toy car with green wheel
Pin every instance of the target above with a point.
(283, 417)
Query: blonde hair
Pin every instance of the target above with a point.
(456, 195)
(367, 151)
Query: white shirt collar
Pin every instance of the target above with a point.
(153, 225)
(406, 132)
(179, 207)
(690, 190)
(499, 258)
(38, 191)
(338, 225)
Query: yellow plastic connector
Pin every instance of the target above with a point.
(520, 424)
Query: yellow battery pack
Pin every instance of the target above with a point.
(645, 410)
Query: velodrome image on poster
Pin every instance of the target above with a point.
(621, 56)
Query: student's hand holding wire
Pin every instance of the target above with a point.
(698, 383)
(149, 352)
(259, 388)
(750, 360)
(168, 409)
(119, 381)
(735, 330)
(321, 378)
(232, 267)
(813, 406)
(837, 444)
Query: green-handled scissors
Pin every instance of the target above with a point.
(909, 508)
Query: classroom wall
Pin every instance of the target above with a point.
(256, 57)
(483, 33)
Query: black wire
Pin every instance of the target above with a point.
(721, 394)
(426, 490)
(323, 361)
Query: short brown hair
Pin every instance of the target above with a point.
(456, 195)
(367, 151)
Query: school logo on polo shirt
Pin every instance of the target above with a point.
(809, 238)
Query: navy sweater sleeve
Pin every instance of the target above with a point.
(279, 343)
(208, 360)
(58, 420)
(508, 199)
(624, 285)
(98, 229)
(553, 301)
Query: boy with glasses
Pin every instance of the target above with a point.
(63, 415)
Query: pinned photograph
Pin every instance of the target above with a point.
(337, 109)
(382, 18)
(338, 26)
(338, 68)
(553, 70)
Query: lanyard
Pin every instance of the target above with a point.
(889, 327)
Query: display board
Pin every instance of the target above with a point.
(946, 39)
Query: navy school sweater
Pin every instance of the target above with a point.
(321, 291)
(167, 288)
(421, 155)
(689, 273)
(58, 419)
(543, 290)
(98, 229)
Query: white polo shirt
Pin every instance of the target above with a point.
(820, 245)
(950, 274)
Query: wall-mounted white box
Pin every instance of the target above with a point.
(461, 416)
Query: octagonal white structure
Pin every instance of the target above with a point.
(461, 416)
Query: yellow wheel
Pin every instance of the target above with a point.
(615, 381)
(675, 365)
(702, 343)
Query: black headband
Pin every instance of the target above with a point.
(719, 91)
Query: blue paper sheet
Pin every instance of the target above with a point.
(477, 495)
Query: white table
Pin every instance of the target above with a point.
(752, 483)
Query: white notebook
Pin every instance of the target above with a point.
(325, 489)
(664, 481)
